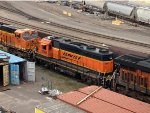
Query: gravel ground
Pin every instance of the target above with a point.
(59, 81)
(24, 98)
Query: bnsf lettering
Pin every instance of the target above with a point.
(71, 56)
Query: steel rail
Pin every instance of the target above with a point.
(55, 33)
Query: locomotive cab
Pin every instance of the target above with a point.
(26, 39)
(45, 47)
(26, 34)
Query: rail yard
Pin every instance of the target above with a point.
(74, 45)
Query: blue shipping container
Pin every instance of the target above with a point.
(14, 74)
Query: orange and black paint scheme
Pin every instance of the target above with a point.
(21, 39)
(134, 73)
(74, 58)
(97, 62)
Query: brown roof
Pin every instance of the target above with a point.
(104, 101)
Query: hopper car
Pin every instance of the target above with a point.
(124, 10)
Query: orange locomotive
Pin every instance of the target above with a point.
(134, 72)
(21, 39)
(83, 59)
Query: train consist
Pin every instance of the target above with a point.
(121, 9)
(91, 64)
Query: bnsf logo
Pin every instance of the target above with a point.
(70, 56)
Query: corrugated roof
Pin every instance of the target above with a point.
(13, 58)
(104, 101)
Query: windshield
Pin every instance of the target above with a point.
(26, 35)
(34, 35)
(29, 35)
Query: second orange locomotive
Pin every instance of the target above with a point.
(95, 61)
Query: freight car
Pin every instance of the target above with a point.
(21, 42)
(134, 73)
(90, 63)
(94, 5)
(142, 15)
(124, 10)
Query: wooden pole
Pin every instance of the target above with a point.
(89, 95)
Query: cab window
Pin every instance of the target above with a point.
(26, 35)
(17, 35)
(34, 35)
(44, 47)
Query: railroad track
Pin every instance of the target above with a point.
(46, 31)
(51, 32)
(15, 10)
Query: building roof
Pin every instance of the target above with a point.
(104, 101)
(13, 58)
